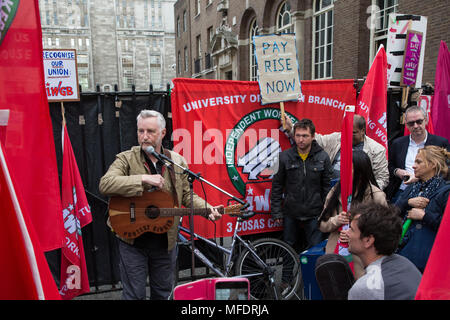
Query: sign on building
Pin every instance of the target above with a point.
(278, 69)
(61, 75)
(399, 25)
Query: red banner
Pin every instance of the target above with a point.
(24, 271)
(224, 133)
(28, 137)
(372, 100)
(441, 102)
(76, 214)
(435, 283)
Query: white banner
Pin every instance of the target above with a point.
(61, 76)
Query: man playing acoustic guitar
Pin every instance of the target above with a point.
(135, 173)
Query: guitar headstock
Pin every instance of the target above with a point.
(235, 209)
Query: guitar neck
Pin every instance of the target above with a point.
(170, 212)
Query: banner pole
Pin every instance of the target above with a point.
(283, 119)
(62, 113)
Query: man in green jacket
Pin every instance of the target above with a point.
(131, 174)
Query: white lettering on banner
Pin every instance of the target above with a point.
(327, 102)
(241, 99)
(73, 281)
(214, 101)
(375, 127)
(72, 246)
(261, 203)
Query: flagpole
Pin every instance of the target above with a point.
(283, 119)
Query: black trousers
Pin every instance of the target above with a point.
(136, 264)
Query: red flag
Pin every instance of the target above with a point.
(29, 142)
(346, 174)
(372, 100)
(435, 283)
(24, 269)
(76, 214)
(441, 102)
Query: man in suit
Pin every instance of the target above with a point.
(403, 151)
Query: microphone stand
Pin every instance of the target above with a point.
(191, 178)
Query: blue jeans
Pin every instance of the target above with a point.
(136, 264)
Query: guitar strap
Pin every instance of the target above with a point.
(172, 179)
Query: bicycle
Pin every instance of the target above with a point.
(271, 265)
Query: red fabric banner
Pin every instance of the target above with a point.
(346, 175)
(24, 269)
(372, 100)
(224, 133)
(29, 142)
(76, 214)
(441, 101)
(435, 283)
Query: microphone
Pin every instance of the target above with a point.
(151, 150)
(159, 156)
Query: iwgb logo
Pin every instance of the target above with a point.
(251, 154)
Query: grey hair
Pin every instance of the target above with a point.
(416, 109)
(152, 114)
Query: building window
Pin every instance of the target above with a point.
(127, 65)
(197, 7)
(198, 58)
(178, 27)
(179, 63)
(155, 70)
(186, 59)
(381, 9)
(184, 21)
(83, 70)
(253, 66)
(284, 21)
(323, 39)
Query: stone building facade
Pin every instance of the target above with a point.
(123, 42)
(335, 39)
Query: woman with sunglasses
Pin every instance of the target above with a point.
(423, 204)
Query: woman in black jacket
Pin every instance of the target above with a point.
(423, 204)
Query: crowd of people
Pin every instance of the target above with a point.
(396, 205)
(411, 189)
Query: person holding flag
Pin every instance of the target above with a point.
(332, 218)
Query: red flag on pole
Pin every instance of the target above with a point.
(28, 137)
(441, 101)
(76, 214)
(435, 283)
(24, 269)
(346, 174)
(372, 100)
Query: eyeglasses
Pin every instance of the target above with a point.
(411, 123)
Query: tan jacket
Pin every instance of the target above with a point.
(331, 143)
(124, 178)
(332, 225)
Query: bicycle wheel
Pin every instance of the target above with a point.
(283, 263)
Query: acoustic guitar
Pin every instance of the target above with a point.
(152, 212)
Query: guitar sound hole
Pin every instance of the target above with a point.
(152, 212)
